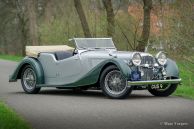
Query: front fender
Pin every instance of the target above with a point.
(123, 67)
(92, 76)
(172, 69)
(35, 65)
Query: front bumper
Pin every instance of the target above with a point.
(152, 82)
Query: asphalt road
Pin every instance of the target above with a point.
(64, 109)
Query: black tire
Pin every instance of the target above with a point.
(163, 93)
(107, 91)
(29, 88)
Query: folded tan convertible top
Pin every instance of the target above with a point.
(33, 51)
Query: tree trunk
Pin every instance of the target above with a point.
(33, 28)
(48, 16)
(110, 17)
(82, 18)
(23, 30)
(146, 26)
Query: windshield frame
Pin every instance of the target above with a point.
(84, 48)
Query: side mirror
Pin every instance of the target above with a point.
(75, 52)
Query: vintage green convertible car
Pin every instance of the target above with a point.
(95, 62)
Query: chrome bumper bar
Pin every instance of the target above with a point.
(151, 82)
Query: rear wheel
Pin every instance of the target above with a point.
(166, 90)
(28, 80)
(114, 84)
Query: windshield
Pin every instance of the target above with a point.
(84, 43)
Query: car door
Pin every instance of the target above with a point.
(69, 70)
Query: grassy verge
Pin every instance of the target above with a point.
(187, 75)
(10, 120)
(11, 57)
(185, 91)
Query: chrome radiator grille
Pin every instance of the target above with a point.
(147, 72)
(147, 60)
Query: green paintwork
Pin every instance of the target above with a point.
(35, 65)
(172, 69)
(92, 76)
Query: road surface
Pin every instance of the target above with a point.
(64, 109)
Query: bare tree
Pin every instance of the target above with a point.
(82, 18)
(48, 11)
(146, 25)
(32, 16)
(110, 17)
(22, 23)
(14, 28)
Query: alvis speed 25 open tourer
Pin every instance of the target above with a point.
(95, 62)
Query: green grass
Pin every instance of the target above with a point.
(185, 91)
(187, 75)
(11, 57)
(10, 120)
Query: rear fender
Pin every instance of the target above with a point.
(34, 63)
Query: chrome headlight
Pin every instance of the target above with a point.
(161, 58)
(136, 59)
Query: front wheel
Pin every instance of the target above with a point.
(28, 80)
(167, 90)
(114, 84)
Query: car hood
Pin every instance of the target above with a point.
(112, 54)
(128, 55)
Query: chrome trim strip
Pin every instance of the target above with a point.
(171, 81)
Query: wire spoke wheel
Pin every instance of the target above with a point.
(164, 90)
(115, 83)
(29, 79)
(163, 87)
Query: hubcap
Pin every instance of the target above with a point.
(115, 83)
(29, 79)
